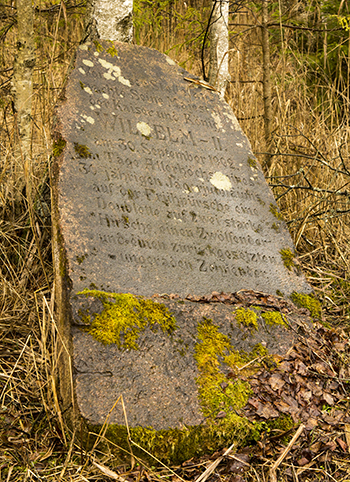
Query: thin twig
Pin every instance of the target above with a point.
(273, 476)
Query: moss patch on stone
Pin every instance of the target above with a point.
(252, 163)
(247, 317)
(213, 346)
(221, 398)
(82, 151)
(287, 258)
(309, 302)
(175, 445)
(275, 211)
(125, 316)
(58, 147)
(273, 318)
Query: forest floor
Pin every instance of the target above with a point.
(310, 386)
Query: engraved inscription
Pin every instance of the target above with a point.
(169, 186)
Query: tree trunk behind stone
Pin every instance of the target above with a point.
(109, 20)
(266, 83)
(219, 46)
(22, 83)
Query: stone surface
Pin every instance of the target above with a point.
(158, 184)
(156, 191)
(158, 380)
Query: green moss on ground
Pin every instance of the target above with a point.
(309, 302)
(125, 316)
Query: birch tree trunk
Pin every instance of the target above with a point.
(219, 45)
(109, 20)
(266, 83)
(22, 79)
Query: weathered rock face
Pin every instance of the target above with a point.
(156, 191)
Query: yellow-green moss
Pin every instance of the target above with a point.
(275, 211)
(58, 147)
(252, 162)
(99, 48)
(276, 227)
(125, 316)
(247, 318)
(287, 258)
(175, 445)
(221, 399)
(274, 318)
(82, 151)
(211, 346)
(112, 51)
(309, 302)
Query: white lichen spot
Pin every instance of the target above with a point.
(195, 189)
(124, 81)
(88, 119)
(92, 107)
(143, 128)
(239, 144)
(233, 119)
(105, 96)
(88, 90)
(105, 64)
(97, 106)
(221, 181)
(88, 63)
(96, 54)
(217, 120)
(170, 61)
(240, 165)
(108, 76)
(201, 179)
(81, 70)
(252, 178)
(83, 47)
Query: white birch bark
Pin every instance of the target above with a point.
(110, 20)
(219, 45)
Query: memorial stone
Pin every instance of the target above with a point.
(158, 202)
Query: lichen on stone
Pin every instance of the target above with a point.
(125, 316)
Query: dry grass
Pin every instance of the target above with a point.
(309, 174)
